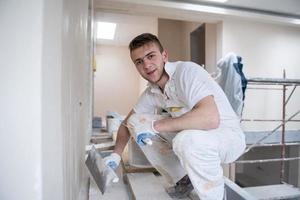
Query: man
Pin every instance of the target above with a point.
(209, 132)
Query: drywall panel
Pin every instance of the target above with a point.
(76, 76)
(20, 103)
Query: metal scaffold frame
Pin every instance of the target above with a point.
(285, 83)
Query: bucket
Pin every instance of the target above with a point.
(113, 124)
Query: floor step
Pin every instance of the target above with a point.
(279, 191)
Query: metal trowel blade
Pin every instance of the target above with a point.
(98, 169)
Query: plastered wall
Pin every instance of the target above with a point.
(116, 81)
(45, 91)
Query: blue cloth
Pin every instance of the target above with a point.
(233, 81)
(239, 69)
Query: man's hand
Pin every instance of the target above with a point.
(113, 160)
(141, 128)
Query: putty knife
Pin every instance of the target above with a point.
(102, 174)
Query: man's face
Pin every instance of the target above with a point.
(149, 62)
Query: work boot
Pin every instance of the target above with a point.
(182, 188)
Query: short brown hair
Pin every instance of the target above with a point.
(143, 39)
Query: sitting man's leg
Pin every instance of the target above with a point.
(201, 154)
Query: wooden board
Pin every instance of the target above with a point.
(146, 186)
(101, 147)
(161, 156)
(115, 191)
(97, 140)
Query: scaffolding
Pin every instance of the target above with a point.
(266, 138)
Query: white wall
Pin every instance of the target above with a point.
(170, 34)
(219, 40)
(117, 84)
(210, 46)
(76, 77)
(20, 86)
(175, 38)
(188, 27)
(266, 50)
(45, 91)
(116, 81)
(51, 77)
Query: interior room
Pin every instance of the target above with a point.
(69, 89)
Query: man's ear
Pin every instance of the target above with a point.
(165, 55)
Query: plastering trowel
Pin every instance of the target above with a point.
(102, 174)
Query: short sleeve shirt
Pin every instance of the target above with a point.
(188, 84)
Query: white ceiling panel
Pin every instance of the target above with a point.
(128, 26)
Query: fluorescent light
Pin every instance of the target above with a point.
(295, 21)
(220, 1)
(208, 9)
(106, 30)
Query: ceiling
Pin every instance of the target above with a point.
(136, 16)
(279, 7)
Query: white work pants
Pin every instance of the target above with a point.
(201, 154)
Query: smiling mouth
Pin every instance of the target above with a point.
(151, 72)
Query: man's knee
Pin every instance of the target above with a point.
(180, 142)
(187, 141)
(196, 142)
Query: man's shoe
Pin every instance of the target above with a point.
(182, 188)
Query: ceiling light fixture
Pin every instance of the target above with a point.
(106, 30)
(220, 1)
(295, 21)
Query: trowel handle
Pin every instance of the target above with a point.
(147, 141)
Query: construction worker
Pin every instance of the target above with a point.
(208, 130)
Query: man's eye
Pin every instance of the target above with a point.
(138, 62)
(150, 56)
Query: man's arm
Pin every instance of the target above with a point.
(123, 136)
(203, 116)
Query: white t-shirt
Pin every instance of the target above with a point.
(188, 83)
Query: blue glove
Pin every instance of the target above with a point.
(113, 160)
(141, 128)
(144, 138)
